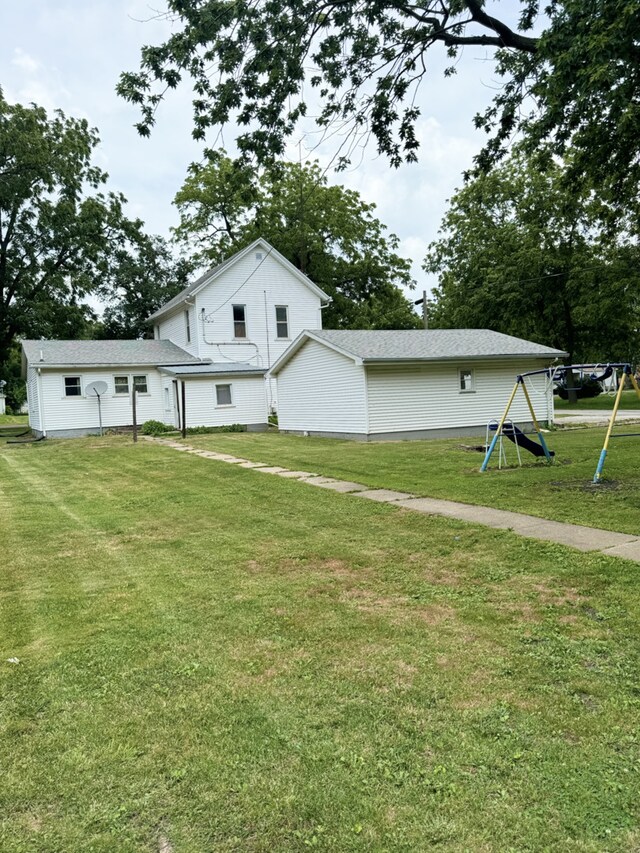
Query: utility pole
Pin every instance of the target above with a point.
(425, 310)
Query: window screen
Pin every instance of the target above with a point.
(223, 395)
(282, 321)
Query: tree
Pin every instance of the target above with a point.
(327, 232)
(143, 276)
(574, 83)
(521, 253)
(58, 228)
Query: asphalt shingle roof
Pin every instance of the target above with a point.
(184, 294)
(432, 344)
(99, 353)
(213, 369)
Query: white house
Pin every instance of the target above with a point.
(246, 310)
(377, 385)
(215, 341)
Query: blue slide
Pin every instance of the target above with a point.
(515, 434)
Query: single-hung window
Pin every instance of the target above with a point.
(466, 380)
(72, 387)
(140, 384)
(121, 384)
(223, 395)
(239, 321)
(187, 326)
(282, 321)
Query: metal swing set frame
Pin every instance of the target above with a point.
(597, 373)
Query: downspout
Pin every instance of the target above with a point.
(40, 412)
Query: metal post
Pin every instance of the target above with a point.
(483, 467)
(536, 425)
(184, 409)
(135, 414)
(605, 447)
(99, 413)
(425, 315)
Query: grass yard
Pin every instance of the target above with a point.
(18, 420)
(628, 401)
(215, 659)
(444, 469)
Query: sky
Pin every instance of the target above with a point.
(68, 55)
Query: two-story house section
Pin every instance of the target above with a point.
(247, 310)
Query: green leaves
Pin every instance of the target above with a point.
(326, 231)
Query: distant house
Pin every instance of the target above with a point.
(217, 339)
(377, 385)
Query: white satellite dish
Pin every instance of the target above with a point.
(97, 389)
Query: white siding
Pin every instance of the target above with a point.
(259, 286)
(71, 413)
(248, 401)
(321, 390)
(33, 399)
(174, 328)
(427, 396)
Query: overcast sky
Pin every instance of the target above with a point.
(68, 54)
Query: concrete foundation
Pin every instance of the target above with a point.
(406, 435)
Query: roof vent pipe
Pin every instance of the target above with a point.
(41, 355)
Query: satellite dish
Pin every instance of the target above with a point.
(96, 389)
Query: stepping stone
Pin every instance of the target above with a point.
(252, 465)
(383, 495)
(342, 486)
(295, 475)
(270, 469)
(318, 481)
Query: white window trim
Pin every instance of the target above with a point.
(230, 405)
(126, 393)
(286, 337)
(127, 396)
(472, 373)
(146, 393)
(246, 324)
(66, 396)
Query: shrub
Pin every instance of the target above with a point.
(154, 428)
(204, 430)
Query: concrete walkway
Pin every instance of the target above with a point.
(531, 526)
(594, 417)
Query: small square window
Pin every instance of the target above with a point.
(467, 382)
(282, 321)
(140, 384)
(223, 395)
(72, 386)
(121, 384)
(239, 321)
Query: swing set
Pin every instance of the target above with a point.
(606, 374)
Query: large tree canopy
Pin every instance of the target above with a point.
(326, 231)
(63, 237)
(256, 62)
(519, 252)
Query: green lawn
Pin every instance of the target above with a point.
(13, 419)
(444, 469)
(629, 400)
(213, 659)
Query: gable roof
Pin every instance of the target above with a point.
(104, 353)
(397, 346)
(209, 276)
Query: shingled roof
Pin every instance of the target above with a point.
(422, 345)
(104, 353)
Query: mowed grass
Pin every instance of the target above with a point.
(214, 659)
(629, 400)
(449, 469)
(18, 420)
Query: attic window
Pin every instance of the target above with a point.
(259, 256)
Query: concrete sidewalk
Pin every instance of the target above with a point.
(594, 417)
(531, 526)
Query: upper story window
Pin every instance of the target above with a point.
(466, 380)
(72, 386)
(282, 321)
(187, 324)
(239, 321)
